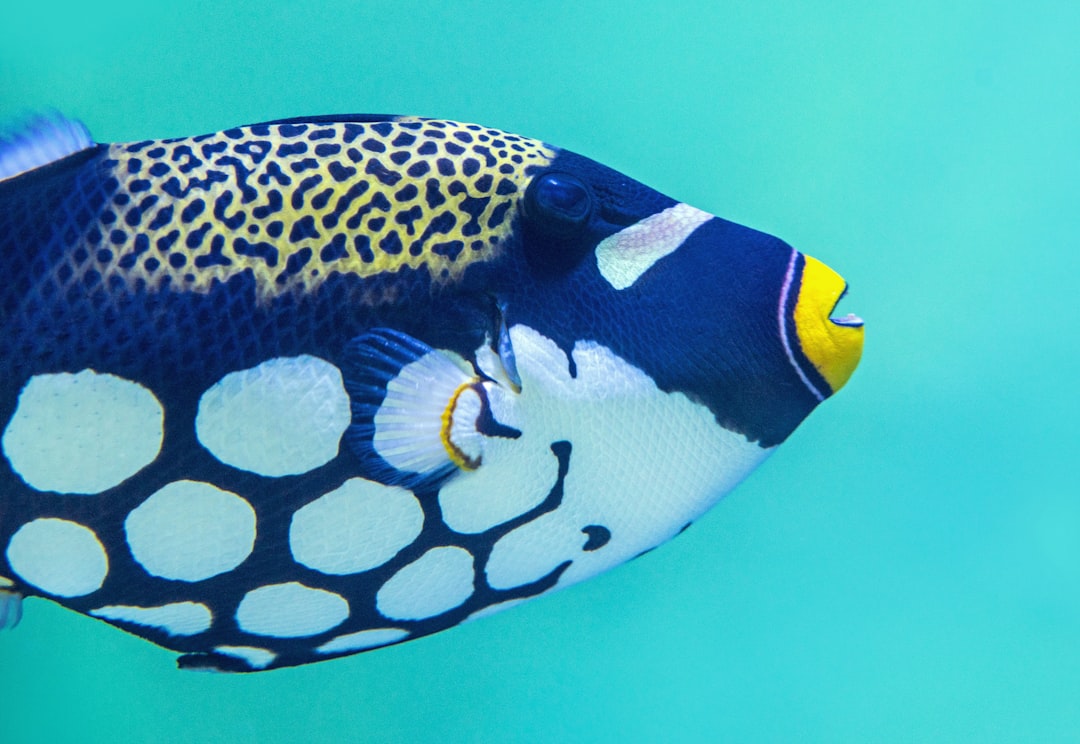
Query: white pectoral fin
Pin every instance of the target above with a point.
(418, 414)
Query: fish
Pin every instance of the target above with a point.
(291, 391)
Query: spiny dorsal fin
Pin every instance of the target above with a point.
(40, 141)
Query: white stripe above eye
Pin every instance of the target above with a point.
(623, 257)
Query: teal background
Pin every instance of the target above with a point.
(906, 568)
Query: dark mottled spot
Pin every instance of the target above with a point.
(375, 224)
(598, 537)
(134, 165)
(306, 164)
(303, 228)
(451, 250)
(427, 148)
(292, 130)
(285, 149)
(275, 229)
(474, 207)
(232, 222)
(355, 192)
(506, 168)
(195, 237)
(186, 158)
(362, 244)
(151, 264)
(352, 131)
(177, 259)
(322, 198)
(304, 186)
(216, 256)
(266, 251)
(117, 237)
(378, 201)
(341, 173)
(483, 184)
(457, 187)
(506, 187)
(320, 134)
(141, 246)
(407, 193)
(408, 217)
(165, 242)
(334, 250)
(274, 173)
(253, 229)
(419, 168)
(276, 203)
(391, 243)
(489, 159)
(234, 134)
(454, 148)
(400, 157)
(94, 236)
(381, 172)
(446, 166)
(404, 139)
(163, 217)
(294, 264)
(104, 256)
(383, 128)
(209, 150)
(257, 150)
(498, 214)
(470, 167)
(434, 133)
(432, 194)
(373, 145)
(463, 137)
(192, 211)
(159, 169)
(517, 159)
(155, 153)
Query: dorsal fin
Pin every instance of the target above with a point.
(40, 141)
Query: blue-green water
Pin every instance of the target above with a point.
(906, 568)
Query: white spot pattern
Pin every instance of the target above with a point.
(59, 557)
(361, 640)
(177, 618)
(290, 610)
(257, 658)
(191, 531)
(282, 417)
(623, 257)
(82, 433)
(644, 462)
(437, 582)
(354, 528)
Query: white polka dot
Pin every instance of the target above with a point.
(82, 433)
(623, 257)
(283, 417)
(178, 618)
(59, 557)
(363, 640)
(355, 528)
(257, 658)
(191, 531)
(290, 610)
(438, 581)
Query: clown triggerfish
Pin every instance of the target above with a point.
(295, 390)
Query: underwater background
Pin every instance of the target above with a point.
(905, 569)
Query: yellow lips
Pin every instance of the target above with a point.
(833, 345)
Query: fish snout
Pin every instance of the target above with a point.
(832, 343)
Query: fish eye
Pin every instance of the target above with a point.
(558, 203)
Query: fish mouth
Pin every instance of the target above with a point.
(851, 320)
(828, 345)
